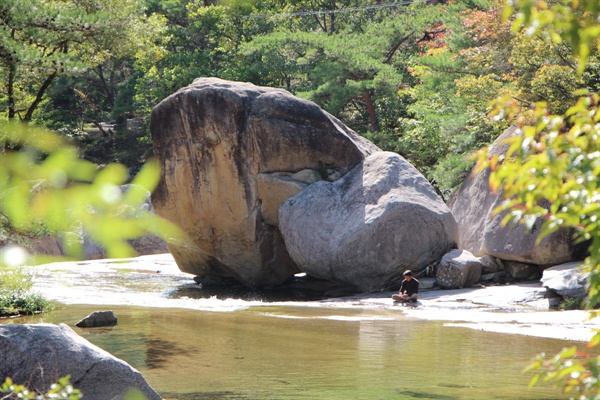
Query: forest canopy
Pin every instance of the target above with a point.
(415, 77)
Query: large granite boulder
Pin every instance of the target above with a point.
(228, 151)
(481, 231)
(37, 355)
(366, 228)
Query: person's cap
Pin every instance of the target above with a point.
(408, 272)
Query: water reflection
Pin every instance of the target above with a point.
(409, 394)
(283, 352)
(300, 288)
(158, 352)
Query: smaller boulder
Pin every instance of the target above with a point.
(491, 264)
(367, 227)
(427, 283)
(307, 176)
(273, 190)
(458, 269)
(520, 270)
(566, 279)
(98, 318)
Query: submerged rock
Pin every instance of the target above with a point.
(97, 319)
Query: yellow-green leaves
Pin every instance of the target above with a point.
(577, 371)
(552, 172)
(45, 184)
(62, 389)
(575, 22)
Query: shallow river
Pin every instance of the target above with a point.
(312, 353)
(298, 351)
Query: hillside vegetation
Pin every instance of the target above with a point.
(415, 77)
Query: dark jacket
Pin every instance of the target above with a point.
(410, 287)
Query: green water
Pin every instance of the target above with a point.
(313, 353)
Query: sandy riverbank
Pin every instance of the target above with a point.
(155, 281)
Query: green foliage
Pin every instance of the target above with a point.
(40, 41)
(577, 372)
(451, 172)
(15, 279)
(354, 73)
(20, 303)
(480, 61)
(557, 158)
(199, 41)
(573, 22)
(62, 390)
(576, 303)
(447, 119)
(42, 179)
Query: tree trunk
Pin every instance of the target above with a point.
(38, 97)
(12, 71)
(374, 121)
(11, 91)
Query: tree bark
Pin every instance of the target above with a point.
(392, 51)
(374, 121)
(11, 91)
(12, 70)
(38, 97)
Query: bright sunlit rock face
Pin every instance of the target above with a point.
(214, 138)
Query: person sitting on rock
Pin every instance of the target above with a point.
(409, 289)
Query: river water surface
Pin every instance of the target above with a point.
(219, 348)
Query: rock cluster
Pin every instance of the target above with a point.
(514, 248)
(267, 185)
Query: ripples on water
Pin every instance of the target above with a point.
(290, 352)
(259, 346)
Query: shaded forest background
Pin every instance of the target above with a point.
(414, 77)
